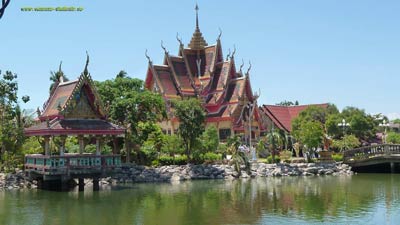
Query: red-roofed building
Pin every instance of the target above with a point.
(201, 71)
(282, 116)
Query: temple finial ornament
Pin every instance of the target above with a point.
(241, 66)
(61, 74)
(220, 34)
(163, 47)
(179, 39)
(229, 54)
(86, 72)
(148, 57)
(248, 70)
(234, 51)
(197, 16)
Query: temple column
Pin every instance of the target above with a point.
(81, 144)
(47, 145)
(98, 145)
(62, 145)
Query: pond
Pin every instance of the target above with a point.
(358, 199)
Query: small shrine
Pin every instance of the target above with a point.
(74, 108)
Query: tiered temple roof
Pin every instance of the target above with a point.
(73, 108)
(199, 70)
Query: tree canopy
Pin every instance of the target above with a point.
(128, 103)
(191, 118)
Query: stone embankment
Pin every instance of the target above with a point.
(135, 174)
(16, 180)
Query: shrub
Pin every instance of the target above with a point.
(337, 157)
(166, 160)
(277, 159)
(169, 160)
(285, 155)
(180, 160)
(210, 156)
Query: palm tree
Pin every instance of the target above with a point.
(274, 138)
(55, 77)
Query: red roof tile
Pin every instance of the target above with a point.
(282, 116)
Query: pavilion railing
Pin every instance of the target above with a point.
(368, 152)
(68, 163)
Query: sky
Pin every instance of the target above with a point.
(337, 51)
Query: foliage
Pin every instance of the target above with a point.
(271, 160)
(104, 149)
(261, 149)
(337, 157)
(191, 118)
(396, 121)
(285, 155)
(209, 139)
(363, 126)
(55, 77)
(169, 160)
(233, 144)
(32, 146)
(274, 138)
(393, 138)
(11, 161)
(128, 103)
(211, 157)
(172, 145)
(347, 142)
(310, 134)
(12, 120)
(288, 103)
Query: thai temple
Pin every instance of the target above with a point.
(201, 71)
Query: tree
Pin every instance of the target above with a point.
(209, 139)
(173, 145)
(363, 126)
(191, 118)
(288, 103)
(11, 117)
(55, 77)
(396, 121)
(347, 142)
(128, 103)
(274, 138)
(310, 134)
(393, 138)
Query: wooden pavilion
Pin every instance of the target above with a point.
(74, 108)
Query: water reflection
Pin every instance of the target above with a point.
(362, 198)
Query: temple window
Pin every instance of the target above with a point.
(224, 133)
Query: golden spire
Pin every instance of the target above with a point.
(197, 41)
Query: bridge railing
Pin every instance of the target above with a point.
(71, 163)
(368, 152)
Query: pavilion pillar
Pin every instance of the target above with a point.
(98, 145)
(47, 145)
(62, 145)
(81, 144)
(115, 145)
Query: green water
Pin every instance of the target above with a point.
(359, 199)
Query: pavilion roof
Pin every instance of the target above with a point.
(74, 108)
(282, 116)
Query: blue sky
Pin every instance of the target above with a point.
(338, 51)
